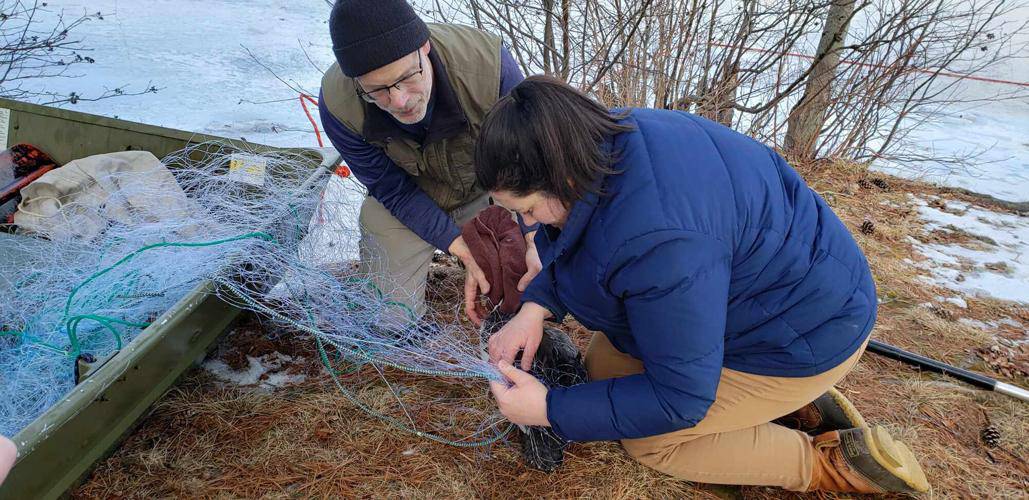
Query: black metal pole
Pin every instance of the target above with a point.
(929, 364)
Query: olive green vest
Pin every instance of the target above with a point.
(442, 168)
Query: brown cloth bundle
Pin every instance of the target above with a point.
(497, 244)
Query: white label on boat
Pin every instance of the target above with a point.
(5, 122)
(247, 168)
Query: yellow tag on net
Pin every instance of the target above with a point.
(247, 168)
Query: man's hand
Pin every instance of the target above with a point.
(475, 282)
(532, 261)
(523, 333)
(524, 402)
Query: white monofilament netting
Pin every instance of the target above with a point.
(259, 233)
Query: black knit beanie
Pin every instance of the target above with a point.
(369, 34)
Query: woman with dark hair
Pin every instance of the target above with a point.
(729, 297)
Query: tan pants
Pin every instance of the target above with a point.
(735, 443)
(396, 258)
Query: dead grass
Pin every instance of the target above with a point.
(204, 440)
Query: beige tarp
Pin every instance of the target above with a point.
(82, 198)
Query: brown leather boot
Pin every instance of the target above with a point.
(864, 460)
(832, 411)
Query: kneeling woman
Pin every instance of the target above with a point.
(729, 295)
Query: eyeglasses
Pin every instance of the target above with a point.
(382, 94)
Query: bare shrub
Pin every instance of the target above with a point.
(37, 44)
(816, 78)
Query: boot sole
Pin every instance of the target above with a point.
(895, 457)
(850, 413)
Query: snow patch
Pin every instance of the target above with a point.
(990, 262)
(267, 371)
(974, 323)
(1018, 337)
(958, 301)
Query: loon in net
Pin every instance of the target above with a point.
(558, 363)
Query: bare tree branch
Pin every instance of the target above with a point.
(34, 49)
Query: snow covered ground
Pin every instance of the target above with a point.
(265, 373)
(975, 251)
(195, 52)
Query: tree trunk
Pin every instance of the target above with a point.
(718, 101)
(566, 39)
(548, 37)
(808, 116)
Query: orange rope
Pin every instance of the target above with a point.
(303, 104)
(341, 170)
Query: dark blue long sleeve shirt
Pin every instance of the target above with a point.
(390, 184)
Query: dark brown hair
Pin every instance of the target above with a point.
(546, 136)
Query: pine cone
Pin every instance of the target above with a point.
(881, 184)
(941, 313)
(867, 227)
(864, 184)
(990, 435)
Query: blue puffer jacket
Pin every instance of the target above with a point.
(706, 251)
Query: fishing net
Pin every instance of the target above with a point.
(271, 244)
(75, 293)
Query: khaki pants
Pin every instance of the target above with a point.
(735, 443)
(396, 258)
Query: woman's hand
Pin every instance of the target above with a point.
(475, 282)
(524, 332)
(532, 261)
(524, 402)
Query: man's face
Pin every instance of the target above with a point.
(401, 88)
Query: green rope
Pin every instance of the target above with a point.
(72, 327)
(71, 296)
(24, 337)
(71, 323)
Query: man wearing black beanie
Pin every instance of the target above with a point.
(403, 105)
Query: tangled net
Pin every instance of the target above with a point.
(261, 239)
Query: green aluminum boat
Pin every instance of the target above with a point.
(61, 446)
